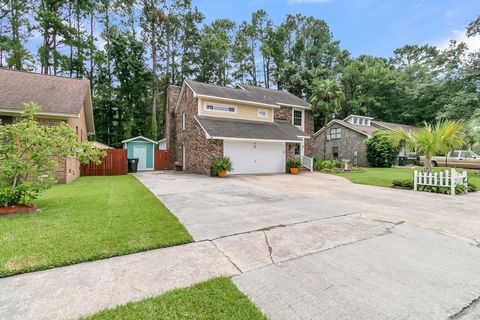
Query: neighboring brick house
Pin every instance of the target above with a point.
(258, 129)
(66, 100)
(346, 138)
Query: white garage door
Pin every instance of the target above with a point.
(255, 157)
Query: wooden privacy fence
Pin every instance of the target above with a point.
(114, 164)
(449, 179)
(162, 158)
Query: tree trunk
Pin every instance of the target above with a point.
(153, 36)
(1, 51)
(427, 165)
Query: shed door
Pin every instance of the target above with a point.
(140, 152)
(255, 157)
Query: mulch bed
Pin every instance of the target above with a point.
(16, 210)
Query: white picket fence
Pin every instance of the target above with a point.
(448, 178)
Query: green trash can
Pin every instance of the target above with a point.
(132, 165)
(402, 161)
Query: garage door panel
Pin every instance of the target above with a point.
(255, 157)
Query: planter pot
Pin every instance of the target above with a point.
(293, 170)
(17, 209)
(222, 173)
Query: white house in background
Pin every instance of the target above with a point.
(162, 144)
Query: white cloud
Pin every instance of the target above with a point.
(473, 43)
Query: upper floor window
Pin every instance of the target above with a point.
(6, 119)
(297, 118)
(335, 133)
(221, 108)
(262, 113)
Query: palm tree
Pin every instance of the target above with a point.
(326, 99)
(430, 140)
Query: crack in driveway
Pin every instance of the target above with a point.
(465, 309)
(270, 249)
(268, 228)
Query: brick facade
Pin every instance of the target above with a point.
(285, 113)
(199, 151)
(350, 142)
(173, 93)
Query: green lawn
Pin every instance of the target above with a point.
(211, 300)
(383, 177)
(89, 219)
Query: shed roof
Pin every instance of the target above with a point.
(139, 138)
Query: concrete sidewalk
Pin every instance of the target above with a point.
(304, 247)
(81, 289)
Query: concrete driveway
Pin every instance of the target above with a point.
(316, 246)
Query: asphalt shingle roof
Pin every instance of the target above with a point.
(247, 129)
(53, 94)
(394, 126)
(248, 93)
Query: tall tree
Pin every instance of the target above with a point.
(326, 99)
(215, 52)
(15, 33)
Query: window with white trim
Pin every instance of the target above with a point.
(184, 120)
(297, 118)
(221, 108)
(335, 133)
(262, 113)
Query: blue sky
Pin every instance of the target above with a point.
(373, 27)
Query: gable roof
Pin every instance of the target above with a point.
(139, 138)
(368, 130)
(247, 94)
(58, 96)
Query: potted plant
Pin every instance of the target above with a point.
(293, 165)
(178, 165)
(220, 166)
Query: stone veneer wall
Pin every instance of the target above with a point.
(350, 142)
(199, 150)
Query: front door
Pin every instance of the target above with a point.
(140, 152)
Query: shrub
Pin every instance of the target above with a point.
(294, 163)
(27, 150)
(326, 165)
(403, 183)
(443, 190)
(380, 151)
(221, 164)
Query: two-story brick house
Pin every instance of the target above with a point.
(66, 100)
(258, 129)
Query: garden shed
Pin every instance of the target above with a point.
(143, 149)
